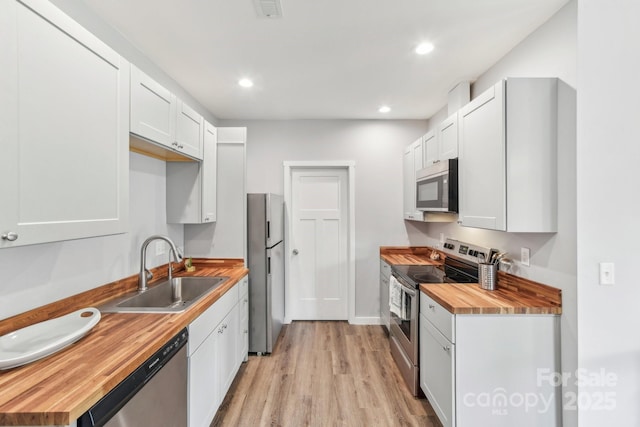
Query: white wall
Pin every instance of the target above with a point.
(36, 275)
(375, 146)
(608, 203)
(550, 51)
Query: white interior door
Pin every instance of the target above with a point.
(319, 244)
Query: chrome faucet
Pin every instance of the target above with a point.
(146, 274)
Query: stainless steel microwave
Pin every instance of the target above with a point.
(437, 187)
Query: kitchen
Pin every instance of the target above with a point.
(589, 340)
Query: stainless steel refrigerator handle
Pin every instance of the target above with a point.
(295, 252)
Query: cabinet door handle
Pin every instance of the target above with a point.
(220, 330)
(10, 236)
(174, 144)
(446, 348)
(181, 146)
(432, 307)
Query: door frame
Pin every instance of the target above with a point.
(349, 166)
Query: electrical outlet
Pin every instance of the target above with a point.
(607, 273)
(159, 248)
(525, 254)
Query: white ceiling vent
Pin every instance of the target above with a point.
(268, 8)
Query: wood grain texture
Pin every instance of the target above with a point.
(59, 388)
(514, 295)
(324, 374)
(418, 255)
(470, 298)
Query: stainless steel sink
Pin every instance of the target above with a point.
(167, 297)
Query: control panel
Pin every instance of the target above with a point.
(466, 251)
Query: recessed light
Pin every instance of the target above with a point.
(245, 82)
(424, 48)
(384, 109)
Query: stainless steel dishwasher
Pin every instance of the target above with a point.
(155, 394)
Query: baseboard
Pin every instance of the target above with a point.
(354, 321)
(366, 321)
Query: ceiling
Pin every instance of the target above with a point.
(324, 59)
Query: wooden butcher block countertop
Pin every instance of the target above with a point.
(58, 389)
(398, 255)
(513, 295)
(470, 298)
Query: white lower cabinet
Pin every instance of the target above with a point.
(214, 356)
(243, 333)
(489, 370)
(437, 359)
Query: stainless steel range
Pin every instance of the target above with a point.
(460, 266)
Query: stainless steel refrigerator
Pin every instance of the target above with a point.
(265, 235)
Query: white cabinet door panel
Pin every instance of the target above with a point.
(448, 138)
(208, 177)
(64, 130)
(189, 126)
(227, 357)
(482, 180)
(431, 151)
(203, 383)
(153, 109)
(437, 361)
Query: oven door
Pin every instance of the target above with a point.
(432, 192)
(404, 319)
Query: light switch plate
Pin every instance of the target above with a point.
(607, 273)
(525, 255)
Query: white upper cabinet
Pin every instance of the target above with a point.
(209, 173)
(191, 186)
(448, 138)
(157, 115)
(412, 161)
(189, 126)
(153, 109)
(63, 129)
(430, 149)
(508, 157)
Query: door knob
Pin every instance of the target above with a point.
(10, 236)
(295, 252)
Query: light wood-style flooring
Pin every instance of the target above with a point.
(324, 374)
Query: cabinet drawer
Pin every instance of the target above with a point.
(204, 324)
(441, 318)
